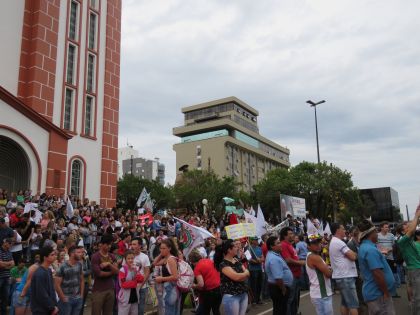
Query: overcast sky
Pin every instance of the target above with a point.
(362, 57)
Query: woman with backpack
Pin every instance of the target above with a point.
(128, 278)
(169, 276)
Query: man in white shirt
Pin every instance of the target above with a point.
(344, 270)
(142, 261)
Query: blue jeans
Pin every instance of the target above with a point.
(235, 304)
(171, 297)
(347, 287)
(72, 307)
(323, 306)
(4, 294)
(142, 300)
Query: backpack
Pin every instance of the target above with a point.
(185, 276)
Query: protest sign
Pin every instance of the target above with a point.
(240, 230)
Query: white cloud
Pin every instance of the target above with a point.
(362, 57)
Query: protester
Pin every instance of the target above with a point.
(354, 245)
(319, 274)
(233, 280)
(344, 270)
(302, 251)
(70, 283)
(386, 241)
(411, 253)
(279, 276)
(290, 256)
(167, 259)
(142, 262)
(104, 267)
(256, 271)
(378, 280)
(129, 277)
(208, 284)
(43, 296)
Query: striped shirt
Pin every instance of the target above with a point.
(5, 256)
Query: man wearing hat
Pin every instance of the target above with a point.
(319, 274)
(377, 275)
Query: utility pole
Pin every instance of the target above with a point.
(408, 216)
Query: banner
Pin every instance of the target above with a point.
(278, 227)
(240, 230)
(146, 219)
(292, 205)
(192, 236)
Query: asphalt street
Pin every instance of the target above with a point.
(306, 308)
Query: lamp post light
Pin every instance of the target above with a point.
(314, 105)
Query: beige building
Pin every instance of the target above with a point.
(223, 136)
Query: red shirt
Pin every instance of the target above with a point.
(211, 276)
(288, 251)
(264, 249)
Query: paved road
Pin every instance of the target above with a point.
(306, 308)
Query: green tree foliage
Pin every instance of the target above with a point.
(196, 185)
(130, 186)
(327, 189)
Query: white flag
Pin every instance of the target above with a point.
(278, 227)
(327, 229)
(249, 218)
(142, 197)
(311, 228)
(69, 208)
(261, 224)
(192, 236)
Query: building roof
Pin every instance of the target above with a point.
(230, 99)
(24, 109)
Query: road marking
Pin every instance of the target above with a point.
(269, 310)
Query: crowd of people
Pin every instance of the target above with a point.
(52, 259)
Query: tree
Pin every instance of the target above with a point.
(196, 185)
(130, 186)
(324, 187)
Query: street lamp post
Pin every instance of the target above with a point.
(314, 105)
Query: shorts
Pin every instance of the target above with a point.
(18, 301)
(347, 287)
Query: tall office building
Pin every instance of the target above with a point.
(384, 203)
(59, 97)
(144, 168)
(125, 153)
(223, 136)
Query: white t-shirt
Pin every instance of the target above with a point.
(141, 261)
(342, 266)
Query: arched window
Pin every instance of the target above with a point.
(76, 178)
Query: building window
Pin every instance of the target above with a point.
(76, 175)
(92, 31)
(198, 148)
(74, 11)
(71, 60)
(90, 85)
(89, 115)
(94, 4)
(68, 109)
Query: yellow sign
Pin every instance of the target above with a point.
(240, 230)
